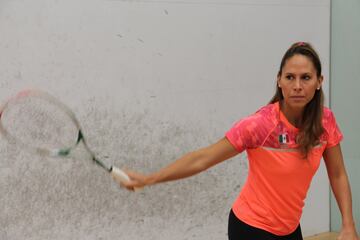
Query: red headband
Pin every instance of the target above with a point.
(301, 44)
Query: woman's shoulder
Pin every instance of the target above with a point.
(328, 116)
(332, 133)
(328, 120)
(263, 117)
(327, 112)
(269, 112)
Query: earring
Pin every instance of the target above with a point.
(279, 86)
(318, 88)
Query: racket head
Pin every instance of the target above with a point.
(35, 120)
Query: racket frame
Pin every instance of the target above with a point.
(115, 172)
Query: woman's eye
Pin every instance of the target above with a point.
(306, 77)
(289, 77)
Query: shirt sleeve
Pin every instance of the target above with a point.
(333, 131)
(249, 132)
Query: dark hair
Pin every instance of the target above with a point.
(311, 123)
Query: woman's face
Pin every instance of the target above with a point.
(298, 81)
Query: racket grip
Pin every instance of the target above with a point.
(120, 176)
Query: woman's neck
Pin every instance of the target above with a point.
(293, 115)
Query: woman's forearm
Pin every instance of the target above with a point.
(194, 162)
(342, 192)
(186, 166)
(340, 184)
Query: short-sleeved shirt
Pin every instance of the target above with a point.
(279, 177)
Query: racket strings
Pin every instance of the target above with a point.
(39, 123)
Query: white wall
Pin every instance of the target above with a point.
(149, 80)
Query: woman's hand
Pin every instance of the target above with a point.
(137, 181)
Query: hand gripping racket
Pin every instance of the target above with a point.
(37, 121)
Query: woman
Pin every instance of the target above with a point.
(284, 141)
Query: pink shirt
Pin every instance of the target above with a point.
(279, 178)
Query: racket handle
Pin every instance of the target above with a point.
(120, 176)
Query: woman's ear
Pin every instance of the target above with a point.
(278, 81)
(321, 79)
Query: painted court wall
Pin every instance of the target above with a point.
(149, 81)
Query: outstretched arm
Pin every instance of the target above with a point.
(186, 166)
